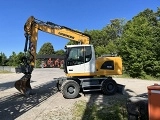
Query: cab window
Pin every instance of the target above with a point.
(79, 55)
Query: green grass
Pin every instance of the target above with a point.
(148, 77)
(84, 111)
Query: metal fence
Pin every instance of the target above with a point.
(7, 68)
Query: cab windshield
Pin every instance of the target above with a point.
(79, 55)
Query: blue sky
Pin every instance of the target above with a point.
(76, 14)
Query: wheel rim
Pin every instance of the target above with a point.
(71, 89)
(110, 87)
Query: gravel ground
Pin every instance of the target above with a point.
(47, 103)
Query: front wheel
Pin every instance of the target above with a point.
(109, 87)
(70, 89)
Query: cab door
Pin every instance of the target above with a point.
(76, 59)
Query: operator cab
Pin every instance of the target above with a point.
(79, 59)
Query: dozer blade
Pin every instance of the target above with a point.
(23, 84)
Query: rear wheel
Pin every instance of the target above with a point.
(109, 87)
(70, 89)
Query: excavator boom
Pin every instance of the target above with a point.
(32, 26)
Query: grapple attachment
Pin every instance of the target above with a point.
(23, 84)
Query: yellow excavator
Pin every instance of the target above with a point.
(83, 70)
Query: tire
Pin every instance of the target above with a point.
(70, 89)
(109, 87)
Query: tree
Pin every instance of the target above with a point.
(96, 37)
(19, 57)
(71, 42)
(114, 30)
(0, 59)
(105, 40)
(3, 59)
(15, 59)
(111, 48)
(149, 15)
(12, 59)
(138, 46)
(60, 52)
(46, 49)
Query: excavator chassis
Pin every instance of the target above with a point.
(70, 87)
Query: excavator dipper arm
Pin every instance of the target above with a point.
(23, 84)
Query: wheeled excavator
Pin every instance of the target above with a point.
(84, 72)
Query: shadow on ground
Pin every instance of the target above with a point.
(103, 107)
(8, 85)
(13, 106)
